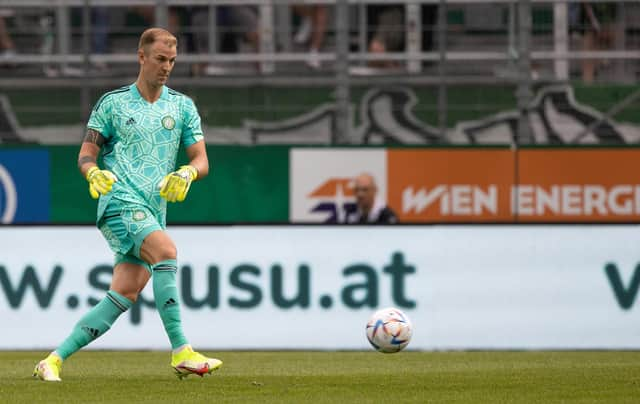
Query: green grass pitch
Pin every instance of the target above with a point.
(333, 377)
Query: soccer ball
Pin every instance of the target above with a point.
(389, 330)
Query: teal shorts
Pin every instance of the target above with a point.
(125, 226)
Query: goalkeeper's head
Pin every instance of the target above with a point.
(157, 51)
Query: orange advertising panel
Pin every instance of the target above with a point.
(450, 185)
(588, 185)
(500, 185)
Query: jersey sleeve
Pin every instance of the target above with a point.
(191, 130)
(100, 118)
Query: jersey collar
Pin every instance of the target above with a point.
(163, 95)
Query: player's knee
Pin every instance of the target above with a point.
(167, 251)
(131, 295)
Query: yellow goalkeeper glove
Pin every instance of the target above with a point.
(175, 185)
(100, 181)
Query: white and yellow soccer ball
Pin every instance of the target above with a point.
(389, 330)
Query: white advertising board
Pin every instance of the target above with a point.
(310, 287)
(322, 181)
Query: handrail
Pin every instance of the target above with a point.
(117, 3)
(506, 70)
(328, 57)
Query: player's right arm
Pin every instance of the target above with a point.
(100, 181)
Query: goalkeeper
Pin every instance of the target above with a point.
(138, 130)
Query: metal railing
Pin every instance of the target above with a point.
(515, 58)
(271, 37)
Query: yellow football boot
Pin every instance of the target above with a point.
(188, 362)
(49, 369)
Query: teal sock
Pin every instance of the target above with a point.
(95, 323)
(165, 293)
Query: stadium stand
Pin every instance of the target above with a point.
(456, 50)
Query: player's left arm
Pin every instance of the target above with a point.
(197, 155)
(175, 186)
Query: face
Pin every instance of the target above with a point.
(365, 190)
(157, 62)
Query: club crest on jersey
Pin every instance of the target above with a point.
(168, 122)
(139, 215)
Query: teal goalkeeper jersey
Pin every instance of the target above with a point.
(142, 141)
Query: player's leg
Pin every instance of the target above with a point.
(128, 279)
(159, 251)
(127, 282)
(114, 226)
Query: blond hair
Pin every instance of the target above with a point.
(151, 35)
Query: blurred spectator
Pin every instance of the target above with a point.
(237, 25)
(148, 14)
(369, 208)
(597, 23)
(242, 23)
(313, 27)
(100, 35)
(387, 31)
(7, 49)
(429, 14)
(100, 22)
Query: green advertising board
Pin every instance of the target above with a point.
(245, 184)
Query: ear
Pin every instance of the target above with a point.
(141, 56)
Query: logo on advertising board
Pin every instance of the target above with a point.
(450, 185)
(578, 185)
(8, 196)
(321, 182)
(24, 186)
(464, 287)
(489, 185)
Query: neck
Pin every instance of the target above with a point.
(148, 92)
